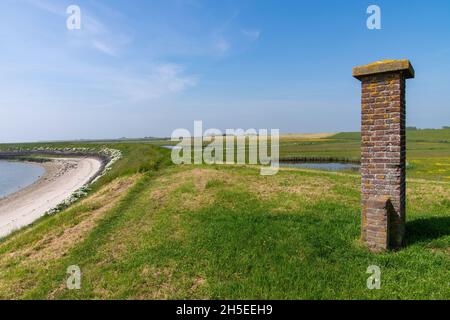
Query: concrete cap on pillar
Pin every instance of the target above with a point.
(384, 66)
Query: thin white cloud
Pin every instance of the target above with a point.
(48, 6)
(92, 25)
(221, 45)
(99, 84)
(253, 34)
(93, 32)
(103, 47)
(172, 76)
(160, 81)
(99, 87)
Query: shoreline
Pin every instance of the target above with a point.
(28, 185)
(62, 177)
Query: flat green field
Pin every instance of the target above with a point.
(428, 151)
(153, 230)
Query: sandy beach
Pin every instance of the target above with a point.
(63, 176)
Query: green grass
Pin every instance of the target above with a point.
(419, 135)
(224, 239)
(428, 151)
(225, 232)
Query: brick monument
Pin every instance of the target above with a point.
(383, 152)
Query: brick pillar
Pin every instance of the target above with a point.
(383, 152)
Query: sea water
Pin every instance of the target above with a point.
(17, 175)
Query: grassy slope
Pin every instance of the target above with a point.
(151, 230)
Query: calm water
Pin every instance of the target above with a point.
(332, 166)
(17, 175)
(329, 166)
(170, 147)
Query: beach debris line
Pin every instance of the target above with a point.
(113, 155)
(107, 156)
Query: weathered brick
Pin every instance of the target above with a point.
(383, 152)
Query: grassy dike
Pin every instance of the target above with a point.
(151, 230)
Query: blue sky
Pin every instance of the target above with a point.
(144, 68)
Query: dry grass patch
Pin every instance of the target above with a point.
(166, 283)
(156, 284)
(289, 190)
(55, 245)
(192, 186)
(57, 242)
(307, 135)
(422, 193)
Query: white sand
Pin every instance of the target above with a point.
(63, 176)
